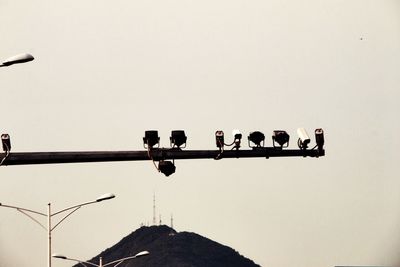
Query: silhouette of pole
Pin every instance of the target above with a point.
(157, 154)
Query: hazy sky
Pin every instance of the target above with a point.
(106, 71)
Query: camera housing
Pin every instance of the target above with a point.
(280, 137)
(6, 142)
(304, 138)
(219, 139)
(166, 167)
(151, 139)
(319, 138)
(178, 138)
(237, 137)
(257, 138)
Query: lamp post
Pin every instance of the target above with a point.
(21, 58)
(49, 228)
(116, 262)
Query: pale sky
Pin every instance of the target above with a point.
(106, 71)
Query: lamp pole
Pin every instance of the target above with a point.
(48, 234)
(116, 262)
(21, 58)
(49, 229)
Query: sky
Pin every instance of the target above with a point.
(106, 71)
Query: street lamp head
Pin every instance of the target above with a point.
(105, 197)
(21, 58)
(59, 256)
(142, 253)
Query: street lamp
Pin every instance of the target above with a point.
(21, 58)
(49, 229)
(116, 262)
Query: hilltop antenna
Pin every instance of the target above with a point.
(154, 208)
(160, 220)
(172, 221)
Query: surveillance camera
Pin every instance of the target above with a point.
(281, 138)
(257, 138)
(319, 138)
(5, 140)
(304, 139)
(237, 138)
(219, 138)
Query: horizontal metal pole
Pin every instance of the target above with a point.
(157, 154)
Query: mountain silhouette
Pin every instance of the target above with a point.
(169, 248)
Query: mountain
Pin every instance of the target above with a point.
(169, 248)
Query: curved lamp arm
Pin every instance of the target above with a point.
(59, 256)
(103, 197)
(26, 213)
(76, 207)
(118, 262)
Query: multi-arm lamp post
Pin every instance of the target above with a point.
(49, 228)
(21, 58)
(116, 262)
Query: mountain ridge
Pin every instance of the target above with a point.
(170, 248)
